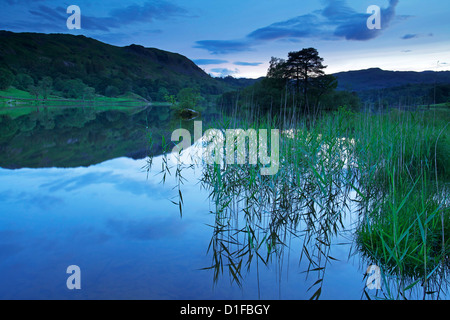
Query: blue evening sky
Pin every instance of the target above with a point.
(238, 37)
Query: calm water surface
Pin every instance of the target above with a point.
(76, 192)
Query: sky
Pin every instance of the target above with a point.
(239, 37)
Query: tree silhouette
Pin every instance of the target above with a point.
(6, 78)
(45, 86)
(301, 66)
(322, 85)
(277, 68)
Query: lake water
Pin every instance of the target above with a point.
(75, 191)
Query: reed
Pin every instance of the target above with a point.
(398, 165)
(401, 160)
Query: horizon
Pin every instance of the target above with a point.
(412, 36)
(235, 77)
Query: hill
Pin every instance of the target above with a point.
(396, 88)
(376, 78)
(110, 70)
(239, 82)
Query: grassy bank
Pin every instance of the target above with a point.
(403, 161)
(13, 97)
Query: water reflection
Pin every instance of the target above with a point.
(313, 202)
(261, 218)
(128, 244)
(291, 235)
(72, 137)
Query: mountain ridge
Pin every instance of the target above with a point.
(377, 78)
(153, 73)
(99, 65)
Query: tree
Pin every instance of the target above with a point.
(88, 93)
(34, 91)
(277, 68)
(112, 91)
(188, 98)
(335, 99)
(45, 86)
(71, 88)
(172, 100)
(162, 94)
(276, 74)
(322, 85)
(74, 88)
(303, 65)
(305, 70)
(23, 81)
(440, 93)
(6, 78)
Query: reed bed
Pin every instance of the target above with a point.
(397, 165)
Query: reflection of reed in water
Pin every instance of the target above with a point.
(343, 160)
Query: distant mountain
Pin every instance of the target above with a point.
(375, 78)
(239, 82)
(145, 71)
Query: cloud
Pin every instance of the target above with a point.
(415, 35)
(49, 14)
(224, 72)
(410, 36)
(72, 184)
(298, 27)
(149, 11)
(21, 25)
(148, 229)
(209, 61)
(353, 25)
(335, 21)
(224, 46)
(249, 64)
(42, 201)
(337, 10)
(53, 19)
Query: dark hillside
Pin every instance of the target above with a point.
(146, 71)
(376, 78)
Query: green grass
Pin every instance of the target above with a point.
(403, 162)
(14, 93)
(11, 91)
(16, 96)
(15, 102)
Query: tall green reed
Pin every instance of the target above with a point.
(405, 215)
(395, 162)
